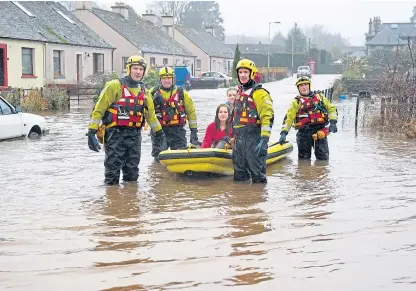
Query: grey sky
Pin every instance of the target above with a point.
(350, 18)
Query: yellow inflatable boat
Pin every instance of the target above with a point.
(211, 160)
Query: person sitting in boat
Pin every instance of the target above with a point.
(231, 93)
(174, 107)
(219, 130)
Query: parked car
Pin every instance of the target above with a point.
(14, 123)
(216, 76)
(304, 71)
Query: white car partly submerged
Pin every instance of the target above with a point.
(14, 123)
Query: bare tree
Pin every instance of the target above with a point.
(168, 8)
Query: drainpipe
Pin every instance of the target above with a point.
(210, 64)
(112, 60)
(44, 64)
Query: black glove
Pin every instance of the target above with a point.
(261, 149)
(194, 137)
(92, 140)
(159, 143)
(333, 126)
(226, 139)
(158, 99)
(283, 135)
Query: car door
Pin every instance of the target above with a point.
(10, 123)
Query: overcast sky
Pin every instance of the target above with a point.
(350, 18)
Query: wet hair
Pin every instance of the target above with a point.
(227, 122)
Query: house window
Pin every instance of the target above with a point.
(58, 63)
(98, 63)
(123, 63)
(152, 62)
(165, 61)
(27, 61)
(198, 64)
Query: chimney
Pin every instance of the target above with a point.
(167, 24)
(121, 9)
(150, 16)
(370, 27)
(210, 29)
(83, 5)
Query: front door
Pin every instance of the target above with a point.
(79, 68)
(3, 65)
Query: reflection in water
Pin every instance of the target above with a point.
(121, 221)
(249, 222)
(314, 189)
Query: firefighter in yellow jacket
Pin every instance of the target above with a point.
(174, 107)
(252, 125)
(123, 107)
(310, 112)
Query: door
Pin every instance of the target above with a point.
(3, 65)
(10, 123)
(79, 68)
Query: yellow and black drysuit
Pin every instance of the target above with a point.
(310, 114)
(174, 107)
(123, 107)
(253, 117)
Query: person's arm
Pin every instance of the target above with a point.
(190, 110)
(209, 135)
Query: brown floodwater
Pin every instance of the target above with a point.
(346, 224)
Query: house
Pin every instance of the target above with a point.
(42, 43)
(133, 35)
(389, 35)
(211, 53)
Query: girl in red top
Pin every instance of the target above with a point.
(218, 129)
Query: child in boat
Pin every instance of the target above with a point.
(220, 129)
(231, 93)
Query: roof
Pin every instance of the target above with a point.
(359, 54)
(211, 45)
(386, 37)
(402, 29)
(259, 48)
(46, 25)
(141, 33)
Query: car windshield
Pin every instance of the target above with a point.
(303, 68)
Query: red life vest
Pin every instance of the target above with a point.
(172, 112)
(245, 111)
(128, 111)
(312, 111)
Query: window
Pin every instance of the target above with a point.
(198, 64)
(66, 17)
(123, 63)
(165, 61)
(4, 108)
(27, 61)
(58, 63)
(23, 9)
(98, 63)
(152, 62)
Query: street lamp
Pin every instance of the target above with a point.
(293, 44)
(268, 52)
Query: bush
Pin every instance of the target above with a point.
(34, 102)
(13, 97)
(99, 80)
(151, 78)
(56, 97)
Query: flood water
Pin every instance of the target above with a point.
(346, 224)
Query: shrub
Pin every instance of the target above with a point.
(33, 101)
(56, 97)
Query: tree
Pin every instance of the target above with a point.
(413, 18)
(278, 39)
(299, 40)
(236, 59)
(204, 14)
(171, 8)
(323, 39)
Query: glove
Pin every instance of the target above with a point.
(159, 144)
(333, 126)
(226, 139)
(283, 135)
(261, 149)
(158, 99)
(92, 140)
(194, 137)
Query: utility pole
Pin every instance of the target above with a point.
(293, 43)
(268, 52)
(173, 35)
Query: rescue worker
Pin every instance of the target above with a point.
(173, 107)
(310, 112)
(252, 125)
(123, 107)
